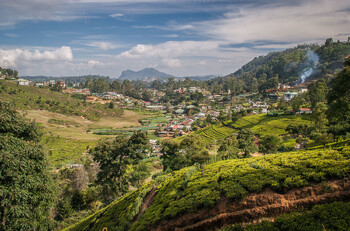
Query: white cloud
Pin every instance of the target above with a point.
(308, 21)
(172, 62)
(18, 57)
(16, 10)
(103, 45)
(116, 15)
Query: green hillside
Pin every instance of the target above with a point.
(193, 189)
(27, 97)
(265, 72)
(264, 124)
(260, 124)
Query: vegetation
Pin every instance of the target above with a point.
(188, 152)
(26, 97)
(63, 151)
(335, 216)
(113, 157)
(190, 188)
(26, 185)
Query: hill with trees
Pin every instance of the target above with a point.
(291, 66)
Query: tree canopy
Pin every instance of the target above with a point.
(26, 186)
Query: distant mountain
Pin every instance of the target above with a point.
(148, 74)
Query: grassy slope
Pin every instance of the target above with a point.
(27, 97)
(188, 189)
(67, 143)
(259, 124)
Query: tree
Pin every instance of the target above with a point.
(317, 92)
(339, 97)
(190, 151)
(139, 174)
(111, 105)
(324, 139)
(269, 144)
(113, 157)
(319, 116)
(171, 158)
(246, 142)
(229, 148)
(26, 186)
(296, 103)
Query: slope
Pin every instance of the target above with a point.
(231, 191)
(27, 97)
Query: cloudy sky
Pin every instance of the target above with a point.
(179, 37)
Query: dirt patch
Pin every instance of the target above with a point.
(267, 204)
(147, 202)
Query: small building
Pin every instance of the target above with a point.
(23, 82)
(305, 111)
(289, 95)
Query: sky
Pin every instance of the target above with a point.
(179, 37)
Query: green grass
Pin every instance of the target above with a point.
(63, 151)
(189, 189)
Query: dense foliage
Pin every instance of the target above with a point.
(113, 157)
(191, 188)
(331, 217)
(26, 186)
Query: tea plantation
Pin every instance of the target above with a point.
(192, 188)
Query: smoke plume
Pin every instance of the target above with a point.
(310, 65)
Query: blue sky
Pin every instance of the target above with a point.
(179, 37)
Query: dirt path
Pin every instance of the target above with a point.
(147, 202)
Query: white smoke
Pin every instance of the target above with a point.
(310, 66)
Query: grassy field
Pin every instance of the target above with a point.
(68, 141)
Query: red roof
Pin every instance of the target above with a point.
(305, 109)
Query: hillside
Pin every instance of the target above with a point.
(229, 192)
(27, 97)
(72, 79)
(291, 66)
(261, 125)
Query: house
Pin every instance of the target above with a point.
(62, 84)
(179, 111)
(305, 111)
(23, 82)
(86, 91)
(289, 95)
(200, 114)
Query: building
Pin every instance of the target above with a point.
(288, 96)
(23, 82)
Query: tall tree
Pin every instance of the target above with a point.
(246, 142)
(339, 97)
(113, 156)
(26, 185)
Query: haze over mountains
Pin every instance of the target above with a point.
(146, 74)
